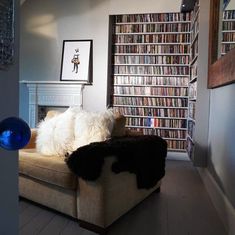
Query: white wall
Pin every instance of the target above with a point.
(45, 26)
(8, 159)
(148, 6)
(231, 5)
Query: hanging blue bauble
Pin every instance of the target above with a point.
(14, 133)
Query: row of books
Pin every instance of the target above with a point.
(142, 69)
(154, 17)
(228, 25)
(191, 109)
(229, 14)
(193, 90)
(151, 59)
(171, 144)
(195, 30)
(190, 148)
(152, 28)
(150, 101)
(193, 70)
(194, 50)
(227, 47)
(155, 122)
(152, 38)
(146, 80)
(174, 134)
(179, 135)
(194, 12)
(193, 81)
(228, 37)
(155, 112)
(151, 49)
(158, 91)
(191, 128)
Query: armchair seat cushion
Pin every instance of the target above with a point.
(48, 169)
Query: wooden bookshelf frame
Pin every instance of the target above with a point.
(171, 118)
(221, 72)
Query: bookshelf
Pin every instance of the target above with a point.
(228, 31)
(150, 73)
(193, 79)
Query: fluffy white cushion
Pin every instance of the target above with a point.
(92, 127)
(55, 134)
(63, 133)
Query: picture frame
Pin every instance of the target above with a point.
(225, 4)
(76, 61)
(7, 33)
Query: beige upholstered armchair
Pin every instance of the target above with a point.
(96, 204)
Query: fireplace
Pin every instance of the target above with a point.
(42, 110)
(44, 96)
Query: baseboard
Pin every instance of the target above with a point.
(93, 228)
(182, 156)
(223, 206)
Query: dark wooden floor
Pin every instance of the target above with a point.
(182, 208)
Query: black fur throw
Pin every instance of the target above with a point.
(141, 155)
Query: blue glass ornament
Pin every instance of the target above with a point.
(14, 133)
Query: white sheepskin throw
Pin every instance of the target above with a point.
(63, 133)
(56, 134)
(92, 127)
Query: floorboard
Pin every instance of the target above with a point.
(28, 214)
(23, 205)
(190, 210)
(183, 207)
(38, 223)
(56, 225)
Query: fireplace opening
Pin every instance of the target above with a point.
(42, 110)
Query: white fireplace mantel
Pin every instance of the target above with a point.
(52, 93)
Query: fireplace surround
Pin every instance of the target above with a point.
(52, 94)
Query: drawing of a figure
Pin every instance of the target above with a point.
(76, 60)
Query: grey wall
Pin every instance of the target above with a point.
(222, 139)
(45, 24)
(8, 159)
(220, 128)
(202, 103)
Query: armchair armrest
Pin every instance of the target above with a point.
(103, 201)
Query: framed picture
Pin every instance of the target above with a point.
(225, 4)
(6, 33)
(76, 62)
